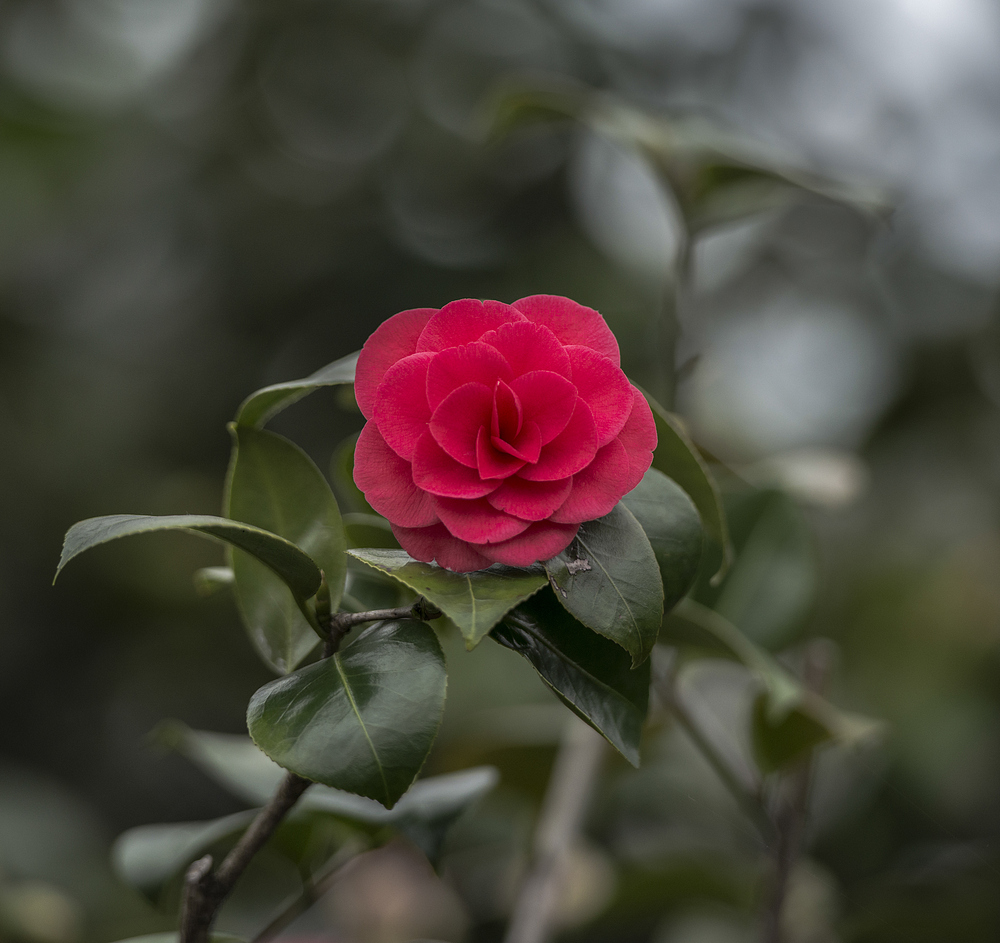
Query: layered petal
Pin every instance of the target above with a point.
(493, 462)
(477, 521)
(401, 410)
(527, 346)
(428, 544)
(458, 418)
(572, 323)
(387, 482)
(435, 471)
(531, 500)
(598, 487)
(464, 321)
(540, 541)
(639, 439)
(547, 399)
(569, 452)
(456, 366)
(605, 389)
(393, 340)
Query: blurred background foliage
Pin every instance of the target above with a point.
(198, 197)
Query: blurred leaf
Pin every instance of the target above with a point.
(770, 588)
(778, 743)
(210, 579)
(369, 530)
(342, 476)
(149, 856)
(592, 675)
(267, 402)
(174, 937)
(362, 720)
(368, 588)
(280, 556)
(673, 526)
(424, 812)
(273, 484)
(609, 579)
(678, 458)
(475, 602)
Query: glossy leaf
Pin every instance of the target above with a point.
(149, 856)
(364, 719)
(608, 578)
(678, 458)
(267, 402)
(369, 530)
(280, 556)
(273, 484)
(475, 602)
(673, 526)
(591, 674)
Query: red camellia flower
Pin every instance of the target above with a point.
(495, 430)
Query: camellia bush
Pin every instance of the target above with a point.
(518, 490)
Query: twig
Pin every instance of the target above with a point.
(790, 817)
(205, 889)
(316, 889)
(577, 765)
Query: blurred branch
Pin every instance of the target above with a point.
(790, 817)
(577, 765)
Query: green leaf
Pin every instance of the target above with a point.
(280, 556)
(591, 675)
(149, 856)
(678, 458)
(672, 524)
(423, 813)
(475, 602)
(609, 579)
(692, 623)
(780, 742)
(210, 579)
(362, 720)
(769, 590)
(369, 530)
(273, 484)
(173, 937)
(267, 402)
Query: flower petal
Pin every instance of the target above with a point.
(540, 541)
(527, 446)
(435, 543)
(491, 461)
(572, 323)
(387, 482)
(639, 438)
(401, 409)
(569, 452)
(547, 399)
(456, 422)
(461, 322)
(457, 366)
(526, 347)
(434, 470)
(598, 487)
(604, 387)
(531, 500)
(477, 521)
(393, 340)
